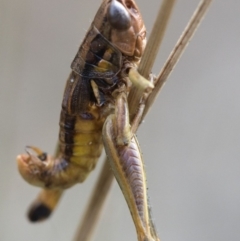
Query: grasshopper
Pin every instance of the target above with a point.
(95, 114)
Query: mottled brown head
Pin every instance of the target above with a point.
(127, 30)
(30, 167)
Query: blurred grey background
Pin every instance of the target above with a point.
(190, 139)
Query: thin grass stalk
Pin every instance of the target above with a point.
(178, 50)
(99, 194)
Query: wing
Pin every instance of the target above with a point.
(77, 95)
(97, 57)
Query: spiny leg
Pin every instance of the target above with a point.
(145, 88)
(127, 165)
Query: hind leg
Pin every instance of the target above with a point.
(125, 158)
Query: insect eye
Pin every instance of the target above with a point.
(43, 156)
(118, 16)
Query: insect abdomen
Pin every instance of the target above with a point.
(80, 139)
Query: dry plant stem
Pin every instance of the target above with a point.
(155, 38)
(92, 213)
(151, 50)
(89, 220)
(177, 51)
